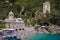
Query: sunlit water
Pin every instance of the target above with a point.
(44, 37)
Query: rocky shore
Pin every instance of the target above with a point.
(51, 29)
(28, 31)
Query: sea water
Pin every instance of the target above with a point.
(44, 37)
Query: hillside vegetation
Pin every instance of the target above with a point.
(26, 9)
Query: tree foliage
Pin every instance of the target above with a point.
(30, 7)
(2, 25)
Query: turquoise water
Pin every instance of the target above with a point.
(44, 37)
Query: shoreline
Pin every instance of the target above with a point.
(28, 31)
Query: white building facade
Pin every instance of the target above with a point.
(46, 7)
(14, 23)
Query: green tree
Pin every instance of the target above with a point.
(2, 25)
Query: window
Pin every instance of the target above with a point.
(11, 15)
(16, 29)
(19, 29)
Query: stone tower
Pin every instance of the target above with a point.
(11, 15)
(46, 7)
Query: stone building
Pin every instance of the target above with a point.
(14, 23)
(46, 7)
